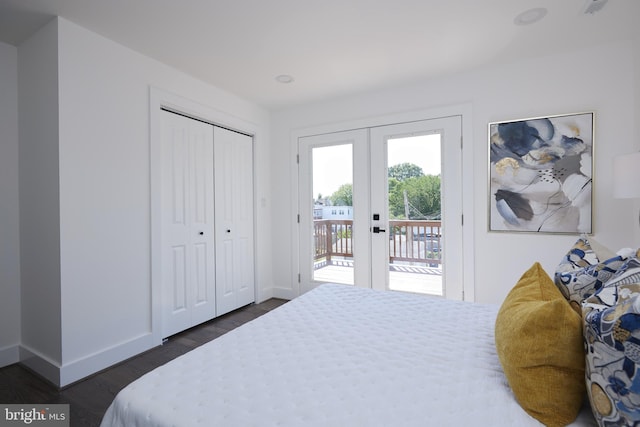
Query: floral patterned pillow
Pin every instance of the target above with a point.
(580, 274)
(612, 343)
(580, 255)
(580, 284)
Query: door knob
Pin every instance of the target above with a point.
(201, 233)
(379, 230)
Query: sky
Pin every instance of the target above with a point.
(332, 165)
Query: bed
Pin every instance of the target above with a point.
(338, 356)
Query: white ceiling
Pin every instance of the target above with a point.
(331, 47)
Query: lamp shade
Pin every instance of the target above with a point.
(626, 176)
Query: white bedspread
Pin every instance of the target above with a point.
(337, 356)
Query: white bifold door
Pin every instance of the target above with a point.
(233, 153)
(207, 221)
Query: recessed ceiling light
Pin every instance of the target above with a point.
(530, 16)
(284, 78)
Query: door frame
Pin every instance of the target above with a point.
(459, 291)
(449, 129)
(161, 99)
(359, 141)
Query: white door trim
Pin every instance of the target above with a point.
(159, 99)
(462, 110)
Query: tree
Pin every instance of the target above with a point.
(423, 197)
(404, 171)
(396, 198)
(423, 193)
(343, 196)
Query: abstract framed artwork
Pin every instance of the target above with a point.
(541, 174)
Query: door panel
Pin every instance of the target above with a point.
(201, 273)
(187, 223)
(234, 219)
(334, 236)
(178, 281)
(411, 256)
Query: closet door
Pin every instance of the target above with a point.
(188, 280)
(233, 154)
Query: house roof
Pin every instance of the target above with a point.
(331, 48)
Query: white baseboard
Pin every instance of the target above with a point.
(76, 370)
(9, 355)
(284, 293)
(81, 368)
(40, 364)
(263, 294)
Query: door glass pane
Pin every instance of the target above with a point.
(414, 200)
(333, 214)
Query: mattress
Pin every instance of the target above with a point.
(337, 356)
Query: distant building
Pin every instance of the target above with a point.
(332, 212)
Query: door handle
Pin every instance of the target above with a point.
(379, 230)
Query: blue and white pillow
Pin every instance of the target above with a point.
(612, 343)
(578, 285)
(580, 255)
(581, 274)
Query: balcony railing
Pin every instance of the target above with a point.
(409, 240)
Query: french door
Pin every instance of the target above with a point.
(381, 207)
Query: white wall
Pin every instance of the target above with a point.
(9, 210)
(601, 79)
(39, 205)
(636, 133)
(104, 197)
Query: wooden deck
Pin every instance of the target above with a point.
(406, 278)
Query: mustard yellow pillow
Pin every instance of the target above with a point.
(539, 343)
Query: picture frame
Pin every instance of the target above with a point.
(541, 174)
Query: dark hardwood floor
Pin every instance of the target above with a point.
(89, 398)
